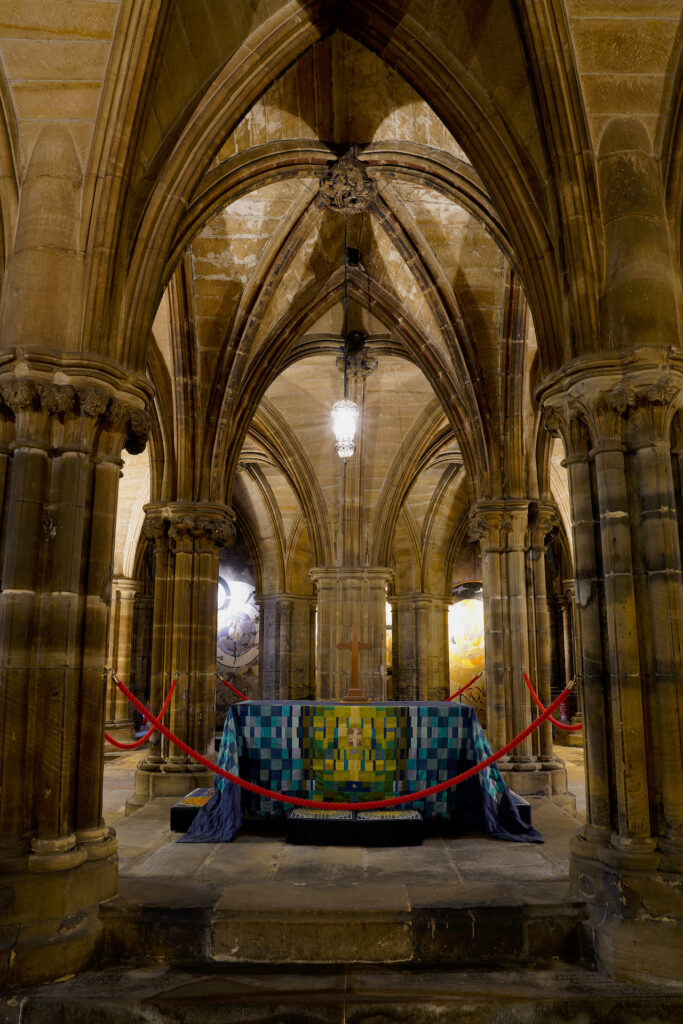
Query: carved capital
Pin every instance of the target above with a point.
(181, 533)
(93, 401)
(19, 394)
(663, 391)
(154, 526)
(650, 423)
(139, 429)
(622, 397)
(191, 527)
(543, 518)
(57, 398)
(114, 410)
(491, 524)
(567, 418)
(220, 532)
(348, 188)
(551, 420)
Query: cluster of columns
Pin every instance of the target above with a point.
(420, 668)
(118, 712)
(61, 441)
(187, 539)
(287, 646)
(628, 858)
(512, 534)
(347, 597)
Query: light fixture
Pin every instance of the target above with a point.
(345, 412)
(344, 419)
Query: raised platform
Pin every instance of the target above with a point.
(468, 900)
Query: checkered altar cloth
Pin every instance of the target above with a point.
(324, 751)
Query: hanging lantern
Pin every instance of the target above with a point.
(344, 420)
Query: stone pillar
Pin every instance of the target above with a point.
(420, 670)
(118, 711)
(141, 651)
(660, 585)
(542, 517)
(188, 538)
(287, 634)
(512, 534)
(573, 656)
(345, 597)
(58, 858)
(628, 858)
(588, 618)
(404, 653)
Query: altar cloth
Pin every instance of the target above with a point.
(347, 753)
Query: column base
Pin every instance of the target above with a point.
(561, 738)
(636, 921)
(121, 731)
(50, 913)
(151, 784)
(547, 780)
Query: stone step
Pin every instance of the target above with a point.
(277, 923)
(342, 995)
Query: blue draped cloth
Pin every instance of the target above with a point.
(324, 751)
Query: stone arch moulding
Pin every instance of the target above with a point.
(10, 161)
(497, 155)
(268, 428)
(273, 161)
(466, 420)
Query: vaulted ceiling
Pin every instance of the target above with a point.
(211, 264)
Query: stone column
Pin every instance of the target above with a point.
(542, 517)
(573, 656)
(628, 858)
(119, 713)
(512, 534)
(659, 565)
(501, 528)
(188, 538)
(287, 627)
(588, 616)
(421, 669)
(345, 597)
(58, 857)
(627, 727)
(141, 650)
(404, 654)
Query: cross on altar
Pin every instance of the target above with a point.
(354, 696)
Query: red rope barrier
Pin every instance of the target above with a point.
(369, 805)
(555, 721)
(233, 688)
(142, 739)
(463, 688)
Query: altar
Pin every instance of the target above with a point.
(356, 753)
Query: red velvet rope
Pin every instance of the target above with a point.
(233, 688)
(560, 725)
(142, 739)
(463, 688)
(369, 805)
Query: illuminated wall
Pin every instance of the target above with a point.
(466, 645)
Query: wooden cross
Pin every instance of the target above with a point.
(354, 696)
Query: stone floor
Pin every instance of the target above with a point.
(466, 929)
(148, 849)
(261, 900)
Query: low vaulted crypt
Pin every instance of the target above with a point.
(216, 222)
